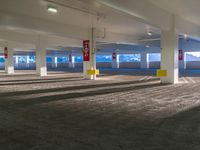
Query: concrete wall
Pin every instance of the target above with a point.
(2, 66)
(104, 65)
(62, 65)
(154, 65)
(79, 65)
(49, 65)
(129, 65)
(193, 65)
(24, 65)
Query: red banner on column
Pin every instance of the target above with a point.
(114, 56)
(70, 57)
(180, 54)
(86, 50)
(6, 52)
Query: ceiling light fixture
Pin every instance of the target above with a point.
(52, 9)
(185, 36)
(65, 4)
(149, 33)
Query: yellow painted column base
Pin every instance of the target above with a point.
(93, 72)
(161, 73)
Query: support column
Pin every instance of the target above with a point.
(9, 62)
(16, 61)
(41, 66)
(169, 54)
(54, 62)
(144, 60)
(184, 61)
(27, 61)
(71, 63)
(90, 64)
(115, 60)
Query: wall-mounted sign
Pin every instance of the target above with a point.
(113, 56)
(6, 52)
(86, 50)
(180, 55)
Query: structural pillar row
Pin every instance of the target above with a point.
(9, 61)
(169, 54)
(41, 66)
(144, 60)
(90, 64)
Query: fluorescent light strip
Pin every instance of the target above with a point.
(53, 10)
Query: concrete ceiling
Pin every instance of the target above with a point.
(126, 21)
(113, 20)
(188, 9)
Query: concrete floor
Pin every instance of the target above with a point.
(120, 112)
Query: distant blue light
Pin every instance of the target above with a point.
(103, 58)
(129, 57)
(154, 57)
(193, 56)
(78, 59)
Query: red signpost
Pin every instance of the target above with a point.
(86, 50)
(180, 54)
(114, 56)
(6, 52)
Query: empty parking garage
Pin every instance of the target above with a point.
(99, 75)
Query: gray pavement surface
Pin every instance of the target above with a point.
(117, 112)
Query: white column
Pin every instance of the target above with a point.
(169, 54)
(9, 62)
(91, 64)
(54, 62)
(115, 62)
(184, 61)
(144, 60)
(27, 61)
(16, 60)
(71, 61)
(41, 67)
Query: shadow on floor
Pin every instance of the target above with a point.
(72, 95)
(62, 89)
(39, 82)
(180, 131)
(42, 79)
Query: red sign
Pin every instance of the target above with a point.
(86, 50)
(114, 56)
(70, 58)
(6, 52)
(180, 54)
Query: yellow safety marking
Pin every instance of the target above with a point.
(161, 73)
(93, 72)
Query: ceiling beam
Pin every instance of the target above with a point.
(119, 38)
(185, 27)
(142, 10)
